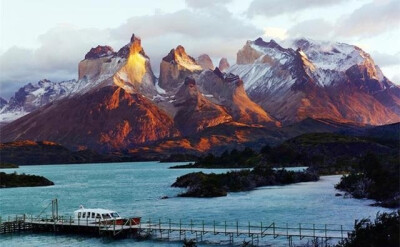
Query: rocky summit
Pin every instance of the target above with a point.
(223, 64)
(99, 51)
(175, 67)
(205, 62)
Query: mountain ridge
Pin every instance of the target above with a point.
(292, 85)
(270, 94)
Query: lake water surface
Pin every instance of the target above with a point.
(135, 189)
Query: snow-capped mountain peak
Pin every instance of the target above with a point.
(331, 55)
(33, 96)
(315, 78)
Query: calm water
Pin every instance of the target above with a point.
(135, 189)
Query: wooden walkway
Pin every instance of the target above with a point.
(256, 234)
(169, 230)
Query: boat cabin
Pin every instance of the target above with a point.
(95, 214)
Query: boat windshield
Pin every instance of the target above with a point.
(106, 216)
(114, 215)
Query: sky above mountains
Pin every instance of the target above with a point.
(47, 38)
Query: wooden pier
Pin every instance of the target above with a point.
(200, 231)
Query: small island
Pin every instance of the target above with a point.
(7, 165)
(199, 184)
(22, 180)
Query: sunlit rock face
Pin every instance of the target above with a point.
(223, 64)
(227, 90)
(136, 75)
(129, 68)
(318, 80)
(195, 111)
(105, 119)
(205, 62)
(175, 67)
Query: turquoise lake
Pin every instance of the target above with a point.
(135, 189)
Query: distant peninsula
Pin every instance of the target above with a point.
(22, 180)
(199, 184)
(8, 165)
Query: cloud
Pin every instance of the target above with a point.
(396, 79)
(275, 33)
(214, 31)
(197, 23)
(314, 28)
(57, 57)
(371, 19)
(386, 60)
(272, 8)
(205, 3)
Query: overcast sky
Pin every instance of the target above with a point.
(47, 38)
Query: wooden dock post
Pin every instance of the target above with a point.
(290, 241)
(214, 227)
(237, 228)
(300, 231)
(225, 227)
(180, 229)
(273, 229)
(313, 226)
(202, 233)
(341, 231)
(159, 224)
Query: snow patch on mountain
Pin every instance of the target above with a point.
(93, 72)
(325, 62)
(7, 117)
(330, 55)
(159, 89)
(33, 96)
